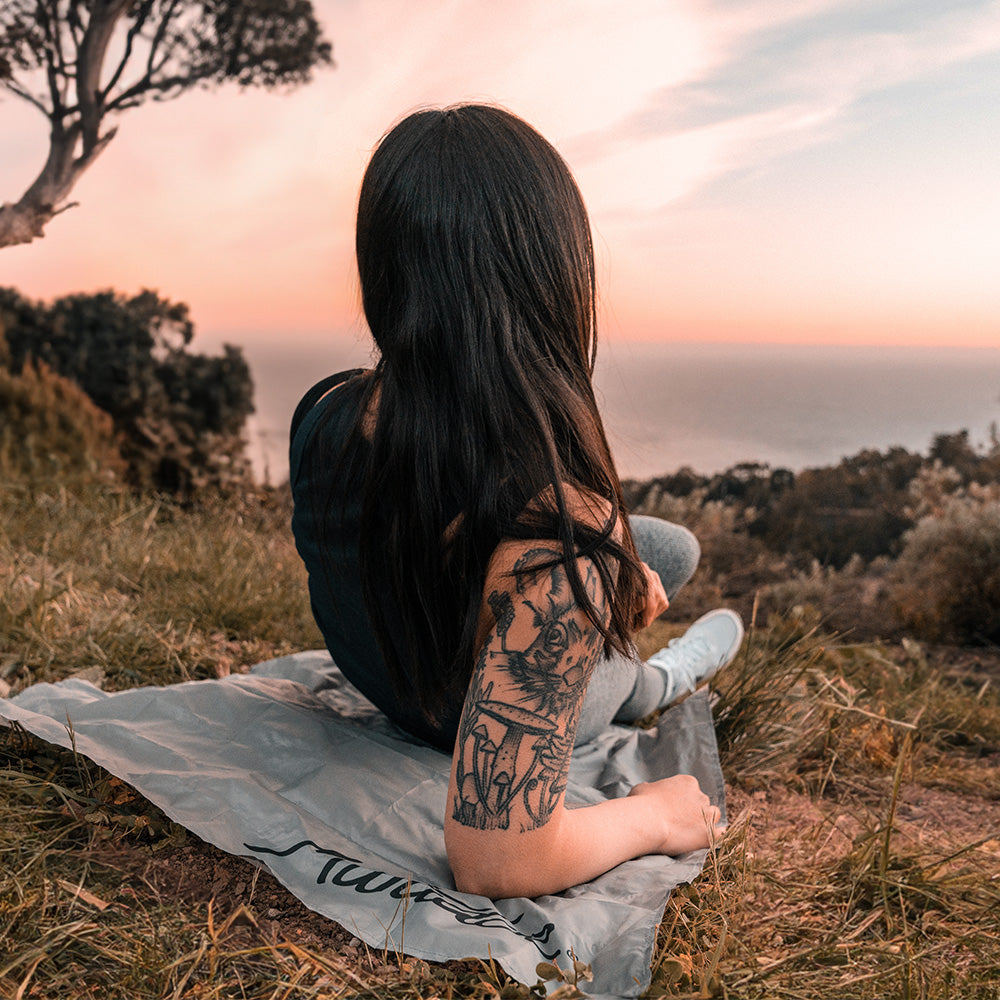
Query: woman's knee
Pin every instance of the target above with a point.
(670, 549)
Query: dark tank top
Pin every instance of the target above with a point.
(326, 524)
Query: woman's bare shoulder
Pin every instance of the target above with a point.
(584, 506)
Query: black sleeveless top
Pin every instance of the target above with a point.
(326, 523)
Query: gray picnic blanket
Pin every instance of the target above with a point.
(290, 766)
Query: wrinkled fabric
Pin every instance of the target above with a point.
(292, 767)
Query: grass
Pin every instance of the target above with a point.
(860, 861)
(820, 887)
(98, 578)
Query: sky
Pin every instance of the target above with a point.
(756, 171)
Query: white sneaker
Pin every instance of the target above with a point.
(704, 649)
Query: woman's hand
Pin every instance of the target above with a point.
(656, 598)
(690, 821)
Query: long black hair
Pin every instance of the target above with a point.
(477, 278)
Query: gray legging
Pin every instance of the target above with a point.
(623, 689)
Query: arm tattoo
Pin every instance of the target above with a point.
(518, 754)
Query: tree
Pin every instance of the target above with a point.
(81, 62)
(179, 416)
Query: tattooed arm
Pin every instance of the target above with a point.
(507, 830)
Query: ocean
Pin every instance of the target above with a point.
(711, 406)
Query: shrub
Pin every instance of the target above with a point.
(179, 415)
(50, 428)
(946, 585)
(834, 513)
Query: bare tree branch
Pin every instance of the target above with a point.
(55, 70)
(24, 221)
(55, 36)
(90, 59)
(161, 31)
(74, 24)
(134, 94)
(25, 95)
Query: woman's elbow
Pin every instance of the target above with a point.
(483, 867)
(479, 883)
(477, 873)
(494, 884)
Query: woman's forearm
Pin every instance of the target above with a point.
(671, 816)
(573, 847)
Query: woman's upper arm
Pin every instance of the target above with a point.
(518, 724)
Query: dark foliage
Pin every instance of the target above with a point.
(856, 507)
(179, 415)
(859, 507)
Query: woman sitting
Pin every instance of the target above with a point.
(470, 563)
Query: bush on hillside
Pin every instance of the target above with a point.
(50, 428)
(854, 508)
(179, 415)
(946, 583)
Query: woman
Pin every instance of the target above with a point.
(458, 511)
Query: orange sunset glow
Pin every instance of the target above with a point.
(761, 172)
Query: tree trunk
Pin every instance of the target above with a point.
(25, 220)
(90, 62)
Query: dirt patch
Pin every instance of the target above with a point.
(791, 828)
(199, 874)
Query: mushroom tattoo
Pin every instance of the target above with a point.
(501, 770)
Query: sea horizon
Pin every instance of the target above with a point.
(710, 406)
